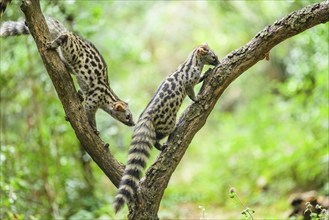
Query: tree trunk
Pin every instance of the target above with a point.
(152, 186)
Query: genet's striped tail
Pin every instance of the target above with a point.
(13, 28)
(142, 141)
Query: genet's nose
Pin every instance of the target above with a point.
(131, 123)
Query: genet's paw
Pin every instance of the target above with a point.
(96, 131)
(49, 45)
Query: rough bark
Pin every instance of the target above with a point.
(194, 117)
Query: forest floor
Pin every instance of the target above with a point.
(193, 211)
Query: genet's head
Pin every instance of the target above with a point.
(207, 55)
(121, 112)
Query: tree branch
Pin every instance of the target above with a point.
(195, 116)
(67, 94)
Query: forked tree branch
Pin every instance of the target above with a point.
(194, 117)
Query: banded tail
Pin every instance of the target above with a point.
(16, 28)
(142, 141)
(13, 28)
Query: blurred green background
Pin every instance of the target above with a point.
(267, 137)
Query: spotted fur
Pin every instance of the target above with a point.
(159, 118)
(86, 63)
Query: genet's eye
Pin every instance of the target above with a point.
(127, 117)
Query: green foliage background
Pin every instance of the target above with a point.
(267, 136)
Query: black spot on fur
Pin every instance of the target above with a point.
(173, 86)
(165, 86)
(98, 73)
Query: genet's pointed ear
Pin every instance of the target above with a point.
(203, 50)
(119, 106)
